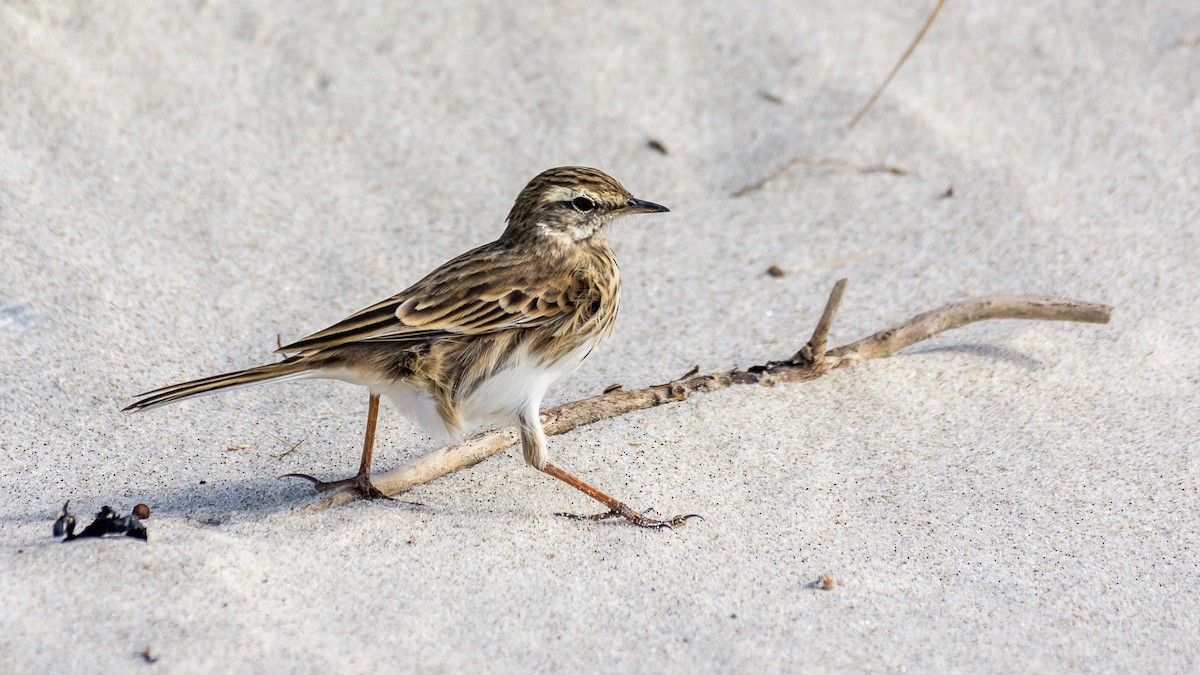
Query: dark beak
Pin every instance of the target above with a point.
(636, 205)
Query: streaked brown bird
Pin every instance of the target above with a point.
(482, 337)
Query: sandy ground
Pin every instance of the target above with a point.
(181, 182)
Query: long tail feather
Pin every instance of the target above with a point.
(288, 369)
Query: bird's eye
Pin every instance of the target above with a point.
(583, 204)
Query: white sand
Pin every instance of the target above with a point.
(178, 184)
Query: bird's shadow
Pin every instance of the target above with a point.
(211, 503)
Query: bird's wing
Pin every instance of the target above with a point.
(470, 295)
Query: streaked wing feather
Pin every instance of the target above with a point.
(457, 299)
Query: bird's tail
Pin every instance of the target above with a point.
(288, 369)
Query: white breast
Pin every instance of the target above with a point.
(519, 386)
(516, 388)
(415, 404)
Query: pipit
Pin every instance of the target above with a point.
(482, 337)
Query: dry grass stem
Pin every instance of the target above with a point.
(290, 447)
(895, 69)
(818, 162)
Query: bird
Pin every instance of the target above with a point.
(480, 338)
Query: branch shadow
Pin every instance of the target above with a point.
(982, 350)
(210, 503)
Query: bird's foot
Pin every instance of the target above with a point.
(635, 518)
(361, 482)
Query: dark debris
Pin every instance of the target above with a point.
(657, 146)
(107, 522)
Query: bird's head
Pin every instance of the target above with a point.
(572, 204)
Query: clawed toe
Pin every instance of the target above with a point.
(616, 508)
(595, 517)
(368, 490)
(361, 482)
(633, 517)
(669, 524)
(311, 479)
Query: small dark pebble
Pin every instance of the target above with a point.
(768, 96)
(657, 146)
(948, 193)
(776, 271)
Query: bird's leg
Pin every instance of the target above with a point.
(362, 480)
(616, 508)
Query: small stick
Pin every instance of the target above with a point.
(564, 418)
(907, 53)
(814, 352)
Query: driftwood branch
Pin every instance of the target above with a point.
(811, 362)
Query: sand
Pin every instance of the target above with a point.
(182, 182)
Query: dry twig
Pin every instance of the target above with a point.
(811, 362)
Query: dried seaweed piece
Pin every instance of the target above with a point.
(66, 520)
(107, 522)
